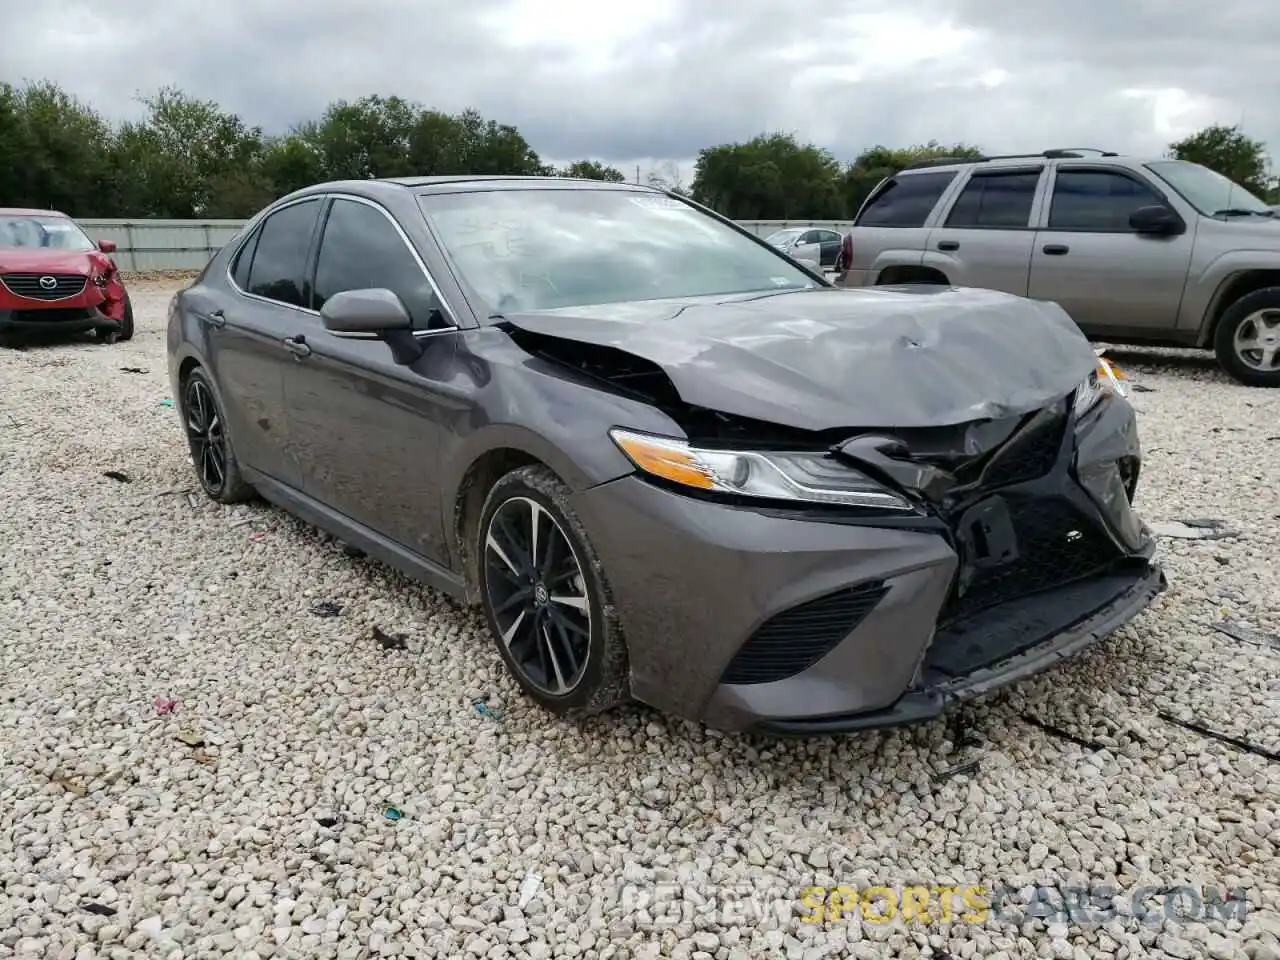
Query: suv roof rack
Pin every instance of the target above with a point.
(1058, 153)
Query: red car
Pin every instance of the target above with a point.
(54, 279)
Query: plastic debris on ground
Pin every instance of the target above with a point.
(390, 641)
(100, 909)
(326, 608)
(1204, 731)
(166, 402)
(1247, 634)
(164, 706)
(391, 813)
(132, 370)
(117, 475)
(958, 770)
(529, 888)
(257, 536)
(485, 709)
(1192, 530)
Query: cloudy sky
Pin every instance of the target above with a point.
(662, 78)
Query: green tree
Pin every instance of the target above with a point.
(58, 149)
(189, 158)
(365, 139)
(592, 170)
(1228, 151)
(293, 161)
(873, 165)
(772, 176)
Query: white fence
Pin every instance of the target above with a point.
(188, 244)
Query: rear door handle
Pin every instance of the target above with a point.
(297, 346)
(215, 318)
(1055, 249)
(948, 244)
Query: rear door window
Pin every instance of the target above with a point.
(996, 201)
(244, 260)
(905, 200)
(279, 264)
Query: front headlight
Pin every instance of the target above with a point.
(782, 475)
(1105, 380)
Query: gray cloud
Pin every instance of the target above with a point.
(663, 79)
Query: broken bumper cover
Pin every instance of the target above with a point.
(805, 623)
(1135, 593)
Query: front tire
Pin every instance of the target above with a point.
(126, 320)
(546, 597)
(1247, 340)
(209, 442)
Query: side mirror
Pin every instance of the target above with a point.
(107, 246)
(364, 313)
(1157, 220)
(373, 314)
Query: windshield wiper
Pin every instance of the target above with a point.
(1235, 212)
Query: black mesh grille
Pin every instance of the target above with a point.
(795, 639)
(1031, 455)
(50, 315)
(1056, 546)
(44, 286)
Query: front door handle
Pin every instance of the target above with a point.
(215, 318)
(1055, 249)
(948, 244)
(297, 346)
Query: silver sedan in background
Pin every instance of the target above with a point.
(814, 246)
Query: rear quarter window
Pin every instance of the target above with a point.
(905, 200)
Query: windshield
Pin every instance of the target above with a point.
(1209, 192)
(31, 231)
(540, 249)
(782, 236)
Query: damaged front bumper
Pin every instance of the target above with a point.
(806, 622)
(1123, 598)
(57, 320)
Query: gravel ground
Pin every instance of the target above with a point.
(521, 836)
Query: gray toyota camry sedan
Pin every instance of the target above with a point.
(667, 461)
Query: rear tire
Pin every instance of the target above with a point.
(1247, 339)
(209, 441)
(546, 597)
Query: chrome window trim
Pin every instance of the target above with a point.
(404, 238)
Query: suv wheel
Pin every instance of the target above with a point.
(1247, 341)
(126, 320)
(207, 438)
(546, 598)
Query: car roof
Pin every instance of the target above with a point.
(31, 212)
(383, 188)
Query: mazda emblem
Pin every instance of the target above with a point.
(48, 283)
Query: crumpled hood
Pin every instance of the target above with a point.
(45, 260)
(875, 357)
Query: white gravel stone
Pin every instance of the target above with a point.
(652, 837)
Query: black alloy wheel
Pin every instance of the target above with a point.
(211, 454)
(206, 436)
(546, 598)
(538, 595)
